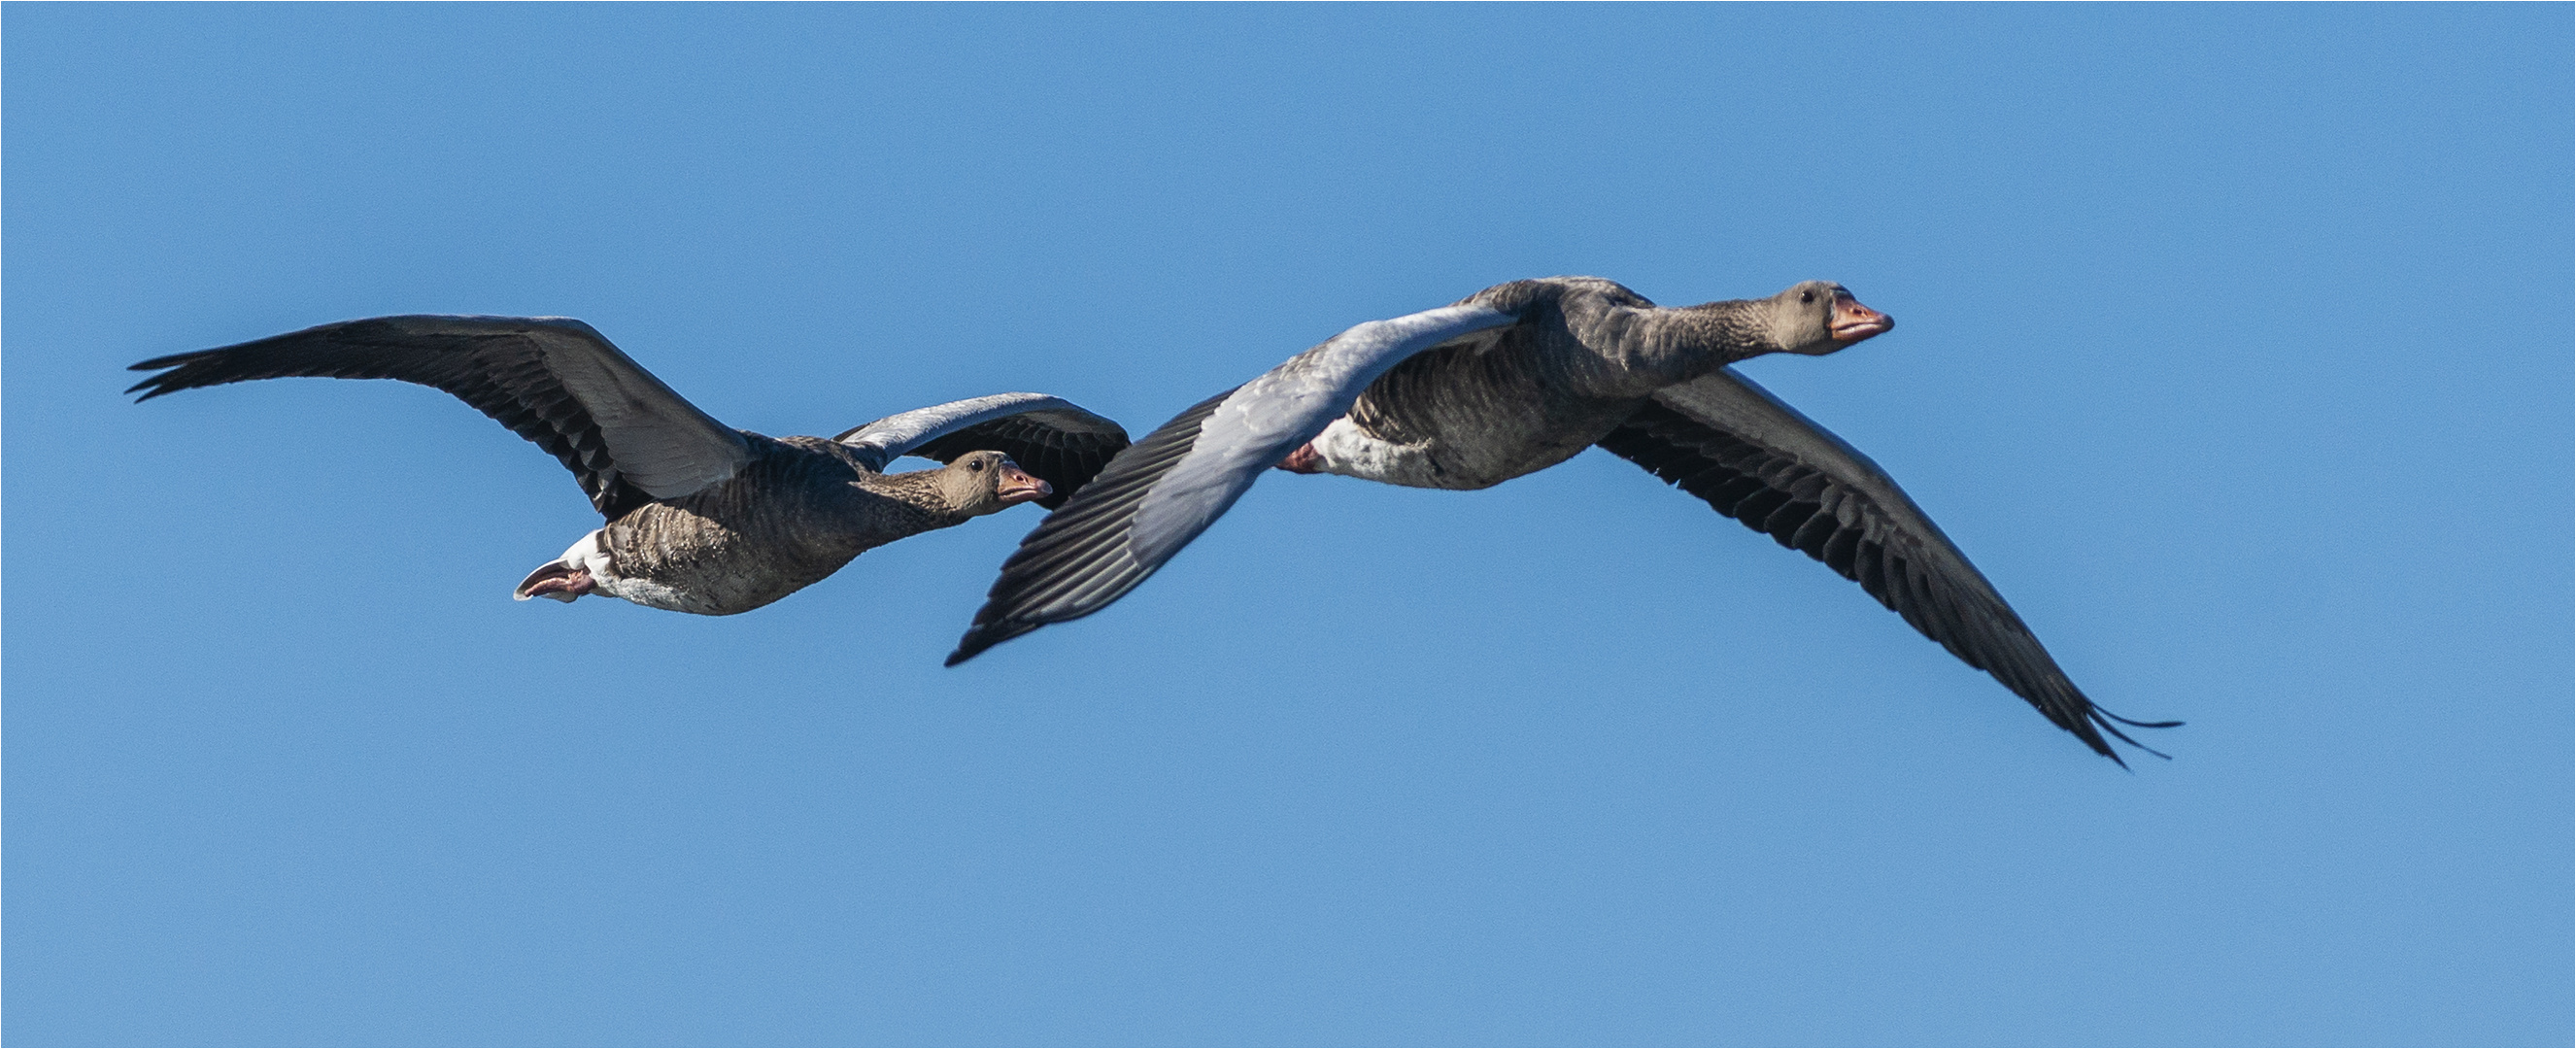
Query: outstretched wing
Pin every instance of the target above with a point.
(1053, 438)
(1757, 460)
(553, 380)
(1160, 494)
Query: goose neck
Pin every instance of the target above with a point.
(1716, 333)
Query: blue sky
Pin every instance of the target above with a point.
(2234, 346)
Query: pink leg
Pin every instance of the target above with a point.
(558, 582)
(1303, 460)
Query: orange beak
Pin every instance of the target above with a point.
(1018, 486)
(1853, 322)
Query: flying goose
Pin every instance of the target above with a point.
(701, 518)
(1515, 379)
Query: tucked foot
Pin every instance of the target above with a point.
(1303, 460)
(558, 581)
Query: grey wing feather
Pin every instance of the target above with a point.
(1161, 493)
(1053, 438)
(553, 380)
(1750, 456)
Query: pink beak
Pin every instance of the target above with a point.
(1853, 322)
(1018, 486)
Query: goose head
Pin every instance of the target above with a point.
(979, 483)
(1820, 316)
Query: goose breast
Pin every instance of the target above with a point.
(1478, 412)
(798, 512)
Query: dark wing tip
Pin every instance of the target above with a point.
(168, 380)
(2080, 725)
(2137, 724)
(164, 361)
(154, 387)
(2110, 722)
(968, 647)
(1768, 490)
(986, 635)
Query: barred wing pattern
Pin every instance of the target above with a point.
(1729, 442)
(626, 437)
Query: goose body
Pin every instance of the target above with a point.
(1582, 356)
(700, 518)
(799, 510)
(1520, 377)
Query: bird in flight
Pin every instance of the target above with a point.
(700, 517)
(1517, 378)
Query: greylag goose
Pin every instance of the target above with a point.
(1515, 379)
(700, 517)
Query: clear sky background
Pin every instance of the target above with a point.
(2234, 345)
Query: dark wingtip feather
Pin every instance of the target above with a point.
(986, 635)
(2085, 733)
(2110, 722)
(166, 361)
(2125, 738)
(158, 384)
(155, 386)
(2137, 724)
